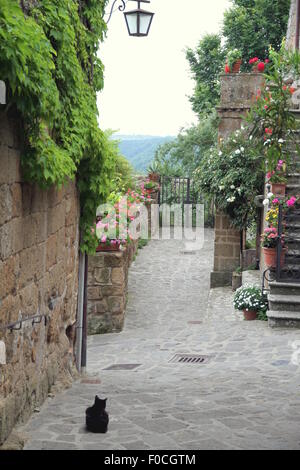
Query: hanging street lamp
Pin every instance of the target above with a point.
(138, 21)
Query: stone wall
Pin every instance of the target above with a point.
(238, 92)
(38, 275)
(107, 289)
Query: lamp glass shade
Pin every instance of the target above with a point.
(138, 22)
(132, 23)
(145, 23)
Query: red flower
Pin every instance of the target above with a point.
(268, 131)
(284, 88)
(292, 90)
(267, 61)
(254, 60)
(227, 69)
(261, 67)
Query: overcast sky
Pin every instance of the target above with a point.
(147, 80)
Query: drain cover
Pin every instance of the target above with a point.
(123, 367)
(190, 359)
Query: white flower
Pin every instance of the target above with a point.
(232, 186)
(280, 141)
(266, 202)
(270, 195)
(221, 188)
(220, 153)
(237, 152)
(251, 137)
(231, 199)
(239, 190)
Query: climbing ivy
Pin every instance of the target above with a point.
(48, 59)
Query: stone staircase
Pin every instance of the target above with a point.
(284, 296)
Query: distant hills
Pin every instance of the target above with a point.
(140, 149)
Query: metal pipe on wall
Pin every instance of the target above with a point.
(297, 25)
(80, 304)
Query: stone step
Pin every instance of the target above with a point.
(280, 302)
(283, 319)
(293, 189)
(293, 178)
(284, 288)
(293, 225)
(293, 260)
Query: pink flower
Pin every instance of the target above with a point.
(103, 239)
(275, 201)
(291, 202)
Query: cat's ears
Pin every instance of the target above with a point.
(97, 398)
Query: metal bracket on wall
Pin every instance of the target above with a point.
(17, 326)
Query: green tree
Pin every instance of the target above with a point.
(253, 25)
(206, 64)
(181, 156)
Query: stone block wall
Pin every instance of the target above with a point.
(39, 240)
(107, 289)
(238, 92)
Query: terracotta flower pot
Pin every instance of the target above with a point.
(237, 66)
(154, 177)
(278, 189)
(250, 315)
(105, 247)
(270, 255)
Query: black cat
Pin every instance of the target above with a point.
(96, 417)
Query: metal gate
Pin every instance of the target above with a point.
(177, 190)
(182, 190)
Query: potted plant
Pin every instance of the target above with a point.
(153, 172)
(270, 241)
(234, 60)
(151, 187)
(250, 300)
(258, 65)
(277, 178)
(111, 233)
(237, 277)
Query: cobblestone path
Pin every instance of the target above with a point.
(246, 396)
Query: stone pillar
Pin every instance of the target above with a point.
(107, 289)
(238, 93)
(292, 26)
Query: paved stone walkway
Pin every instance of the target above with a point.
(247, 396)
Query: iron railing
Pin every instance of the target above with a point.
(288, 246)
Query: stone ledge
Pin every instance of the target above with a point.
(283, 319)
(220, 279)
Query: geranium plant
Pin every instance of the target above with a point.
(278, 175)
(269, 238)
(271, 119)
(233, 56)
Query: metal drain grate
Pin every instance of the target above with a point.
(190, 359)
(123, 367)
